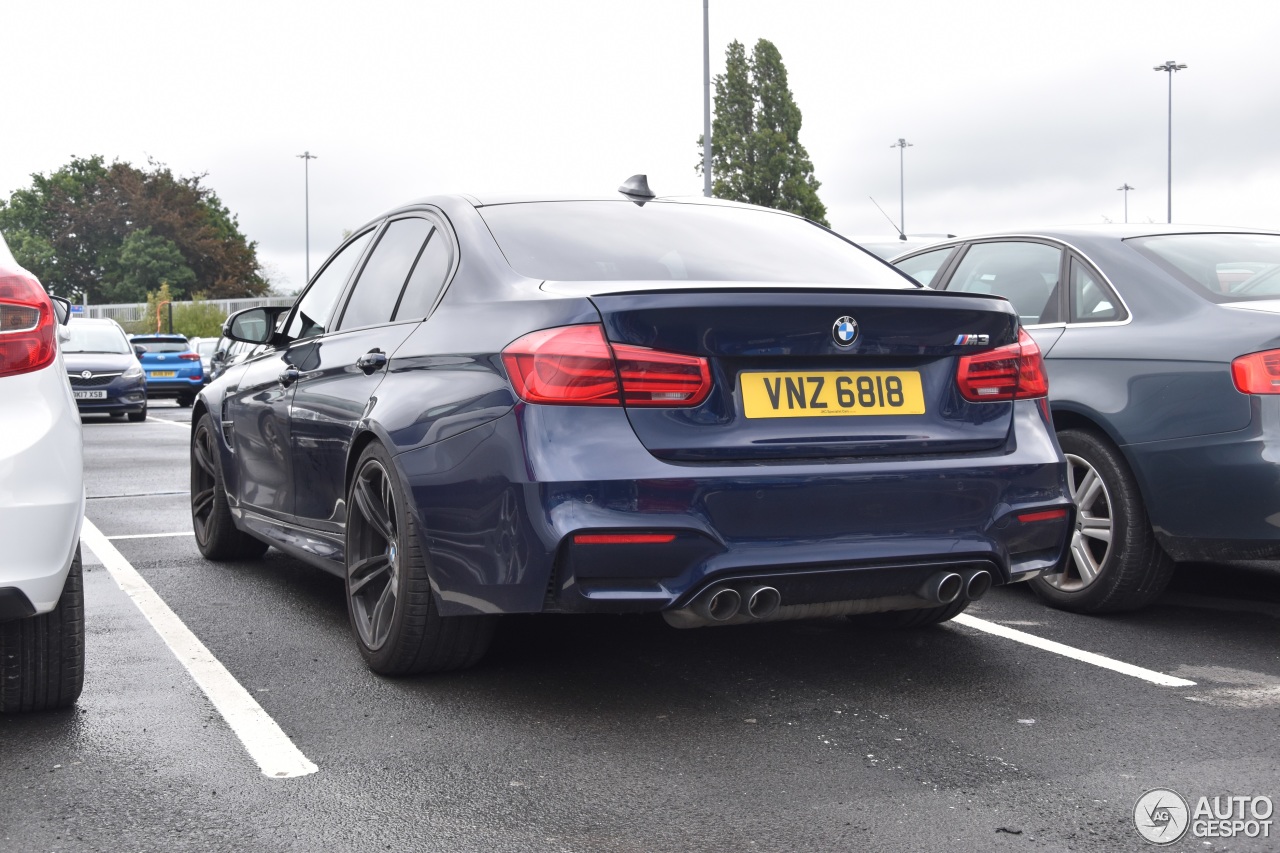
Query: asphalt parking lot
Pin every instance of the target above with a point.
(584, 734)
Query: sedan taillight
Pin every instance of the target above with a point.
(1257, 373)
(1011, 372)
(28, 332)
(576, 365)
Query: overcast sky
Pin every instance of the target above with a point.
(1019, 113)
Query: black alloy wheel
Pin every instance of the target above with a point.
(389, 600)
(216, 534)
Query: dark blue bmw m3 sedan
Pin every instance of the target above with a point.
(716, 412)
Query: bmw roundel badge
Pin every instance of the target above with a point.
(845, 331)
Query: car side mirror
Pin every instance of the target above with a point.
(138, 350)
(253, 325)
(61, 309)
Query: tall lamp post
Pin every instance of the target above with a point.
(902, 145)
(706, 100)
(1171, 66)
(1126, 189)
(307, 157)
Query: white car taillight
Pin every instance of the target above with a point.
(28, 329)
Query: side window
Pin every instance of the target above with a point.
(1091, 300)
(317, 305)
(1025, 273)
(924, 268)
(427, 279)
(373, 299)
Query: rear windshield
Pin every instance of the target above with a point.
(96, 339)
(623, 241)
(153, 345)
(1219, 267)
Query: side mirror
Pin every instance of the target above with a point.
(61, 309)
(253, 325)
(139, 350)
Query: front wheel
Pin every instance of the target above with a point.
(42, 657)
(139, 416)
(1115, 562)
(216, 534)
(389, 600)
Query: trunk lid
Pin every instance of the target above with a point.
(785, 389)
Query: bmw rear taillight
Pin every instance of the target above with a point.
(1257, 373)
(1011, 372)
(577, 366)
(28, 331)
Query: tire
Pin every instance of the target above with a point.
(1115, 562)
(140, 415)
(185, 401)
(216, 534)
(905, 619)
(42, 657)
(392, 610)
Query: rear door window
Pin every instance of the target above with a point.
(1092, 301)
(427, 279)
(377, 290)
(1021, 271)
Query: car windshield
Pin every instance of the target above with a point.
(660, 241)
(154, 345)
(95, 339)
(1219, 267)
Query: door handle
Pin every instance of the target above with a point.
(289, 377)
(374, 359)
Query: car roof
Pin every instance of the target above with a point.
(160, 336)
(1092, 235)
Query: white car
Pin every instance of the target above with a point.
(41, 501)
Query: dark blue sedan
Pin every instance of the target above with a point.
(1163, 349)
(103, 369)
(720, 413)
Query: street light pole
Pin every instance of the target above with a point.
(706, 100)
(902, 145)
(307, 157)
(1170, 66)
(1126, 189)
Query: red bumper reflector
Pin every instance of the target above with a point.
(1042, 515)
(622, 538)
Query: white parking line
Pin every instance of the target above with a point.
(1072, 652)
(183, 424)
(151, 535)
(264, 740)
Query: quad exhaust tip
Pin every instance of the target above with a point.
(978, 585)
(942, 588)
(720, 605)
(762, 601)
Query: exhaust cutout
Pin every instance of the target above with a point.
(761, 601)
(719, 605)
(942, 588)
(978, 585)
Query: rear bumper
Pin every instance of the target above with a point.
(41, 486)
(179, 387)
(499, 508)
(1216, 496)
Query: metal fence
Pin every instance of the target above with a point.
(132, 312)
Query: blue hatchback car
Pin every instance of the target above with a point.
(716, 412)
(173, 368)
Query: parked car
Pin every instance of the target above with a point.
(722, 413)
(103, 369)
(1163, 350)
(173, 368)
(227, 352)
(890, 247)
(205, 348)
(41, 502)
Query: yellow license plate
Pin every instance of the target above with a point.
(162, 374)
(831, 393)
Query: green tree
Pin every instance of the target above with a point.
(756, 155)
(200, 319)
(156, 308)
(79, 228)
